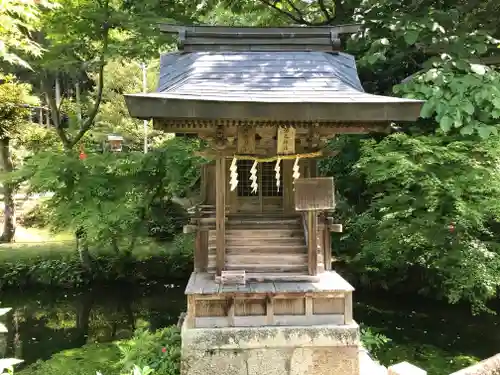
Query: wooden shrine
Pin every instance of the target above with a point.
(266, 101)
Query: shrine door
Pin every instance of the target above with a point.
(268, 198)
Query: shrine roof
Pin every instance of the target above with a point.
(310, 85)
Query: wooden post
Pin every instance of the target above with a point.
(327, 244)
(312, 230)
(269, 310)
(201, 250)
(203, 184)
(220, 213)
(288, 195)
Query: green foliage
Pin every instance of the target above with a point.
(395, 30)
(373, 340)
(14, 111)
(57, 265)
(419, 187)
(125, 77)
(18, 18)
(459, 95)
(86, 360)
(428, 357)
(158, 350)
(110, 195)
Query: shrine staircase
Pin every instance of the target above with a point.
(266, 246)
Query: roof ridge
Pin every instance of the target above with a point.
(269, 39)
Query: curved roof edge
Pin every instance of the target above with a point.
(158, 105)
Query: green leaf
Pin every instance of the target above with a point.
(446, 123)
(484, 131)
(372, 59)
(467, 130)
(481, 47)
(427, 109)
(469, 108)
(384, 41)
(478, 69)
(461, 64)
(496, 102)
(411, 37)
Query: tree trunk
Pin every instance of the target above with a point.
(82, 248)
(9, 218)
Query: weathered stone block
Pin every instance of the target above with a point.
(315, 350)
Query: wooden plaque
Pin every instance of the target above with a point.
(286, 140)
(314, 194)
(246, 140)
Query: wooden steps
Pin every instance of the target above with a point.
(264, 244)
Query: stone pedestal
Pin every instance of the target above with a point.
(285, 350)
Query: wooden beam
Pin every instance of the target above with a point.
(327, 249)
(213, 154)
(201, 250)
(312, 249)
(220, 214)
(285, 32)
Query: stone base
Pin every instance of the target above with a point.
(286, 350)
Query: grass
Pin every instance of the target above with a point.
(34, 243)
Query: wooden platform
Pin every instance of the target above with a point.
(329, 282)
(213, 305)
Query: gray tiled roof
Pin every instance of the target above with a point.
(277, 86)
(263, 77)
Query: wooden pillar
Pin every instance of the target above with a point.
(203, 184)
(312, 251)
(201, 251)
(313, 167)
(288, 194)
(327, 242)
(312, 227)
(220, 213)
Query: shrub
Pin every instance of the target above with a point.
(86, 360)
(165, 219)
(59, 265)
(160, 351)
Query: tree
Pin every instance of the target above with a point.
(110, 195)
(18, 19)
(432, 220)
(113, 117)
(15, 99)
(80, 38)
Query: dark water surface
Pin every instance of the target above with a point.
(45, 322)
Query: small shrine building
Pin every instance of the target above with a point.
(263, 298)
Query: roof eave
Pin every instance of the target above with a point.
(146, 107)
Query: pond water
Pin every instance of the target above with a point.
(45, 322)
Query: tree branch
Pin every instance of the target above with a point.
(100, 87)
(55, 112)
(328, 16)
(298, 19)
